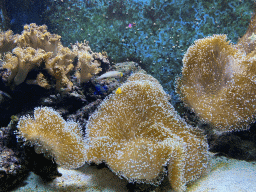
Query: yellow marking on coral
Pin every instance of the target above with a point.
(118, 91)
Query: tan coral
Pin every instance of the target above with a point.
(40, 80)
(37, 48)
(23, 62)
(86, 68)
(217, 83)
(138, 132)
(247, 43)
(38, 37)
(7, 41)
(88, 62)
(52, 135)
(60, 66)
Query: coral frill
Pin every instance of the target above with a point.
(52, 135)
(137, 133)
(218, 83)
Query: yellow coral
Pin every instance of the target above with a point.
(38, 37)
(60, 66)
(51, 134)
(247, 43)
(138, 132)
(217, 83)
(23, 62)
(37, 48)
(87, 67)
(40, 80)
(7, 41)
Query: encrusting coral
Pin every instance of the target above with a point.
(137, 132)
(52, 135)
(38, 49)
(218, 82)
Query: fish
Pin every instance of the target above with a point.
(110, 74)
(131, 25)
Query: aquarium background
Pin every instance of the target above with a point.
(153, 33)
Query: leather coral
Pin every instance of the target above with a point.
(40, 51)
(52, 135)
(218, 83)
(137, 132)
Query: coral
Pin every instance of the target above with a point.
(88, 63)
(7, 41)
(60, 66)
(217, 83)
(52, 135)
(137, 132)
(23, 61)
(247, 42)
(38, 49)
(87, 68)
(38, 37)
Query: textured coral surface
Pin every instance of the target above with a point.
(137, 133)
(54, 136)
(218, 83)
(40, 51)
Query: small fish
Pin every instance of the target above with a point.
(131, 25)
(115, 74)
(119, 91)
(100, 90)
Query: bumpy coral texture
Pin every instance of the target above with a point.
(218, 83)
(23, 62)
(7, 41)
(38, 49)
(88, 63)
(137, 133)
(54, 136)
(247, 43)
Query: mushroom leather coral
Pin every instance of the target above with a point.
(217, 83)
(138, 132)
(52, 135)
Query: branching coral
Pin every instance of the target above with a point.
(247, 43)
(88, 63)
(23, 62)
(52, 135)
(7, 41)
(38, 37)
(137, 132)
(60, 66)
(217, 83)
(38, 49)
